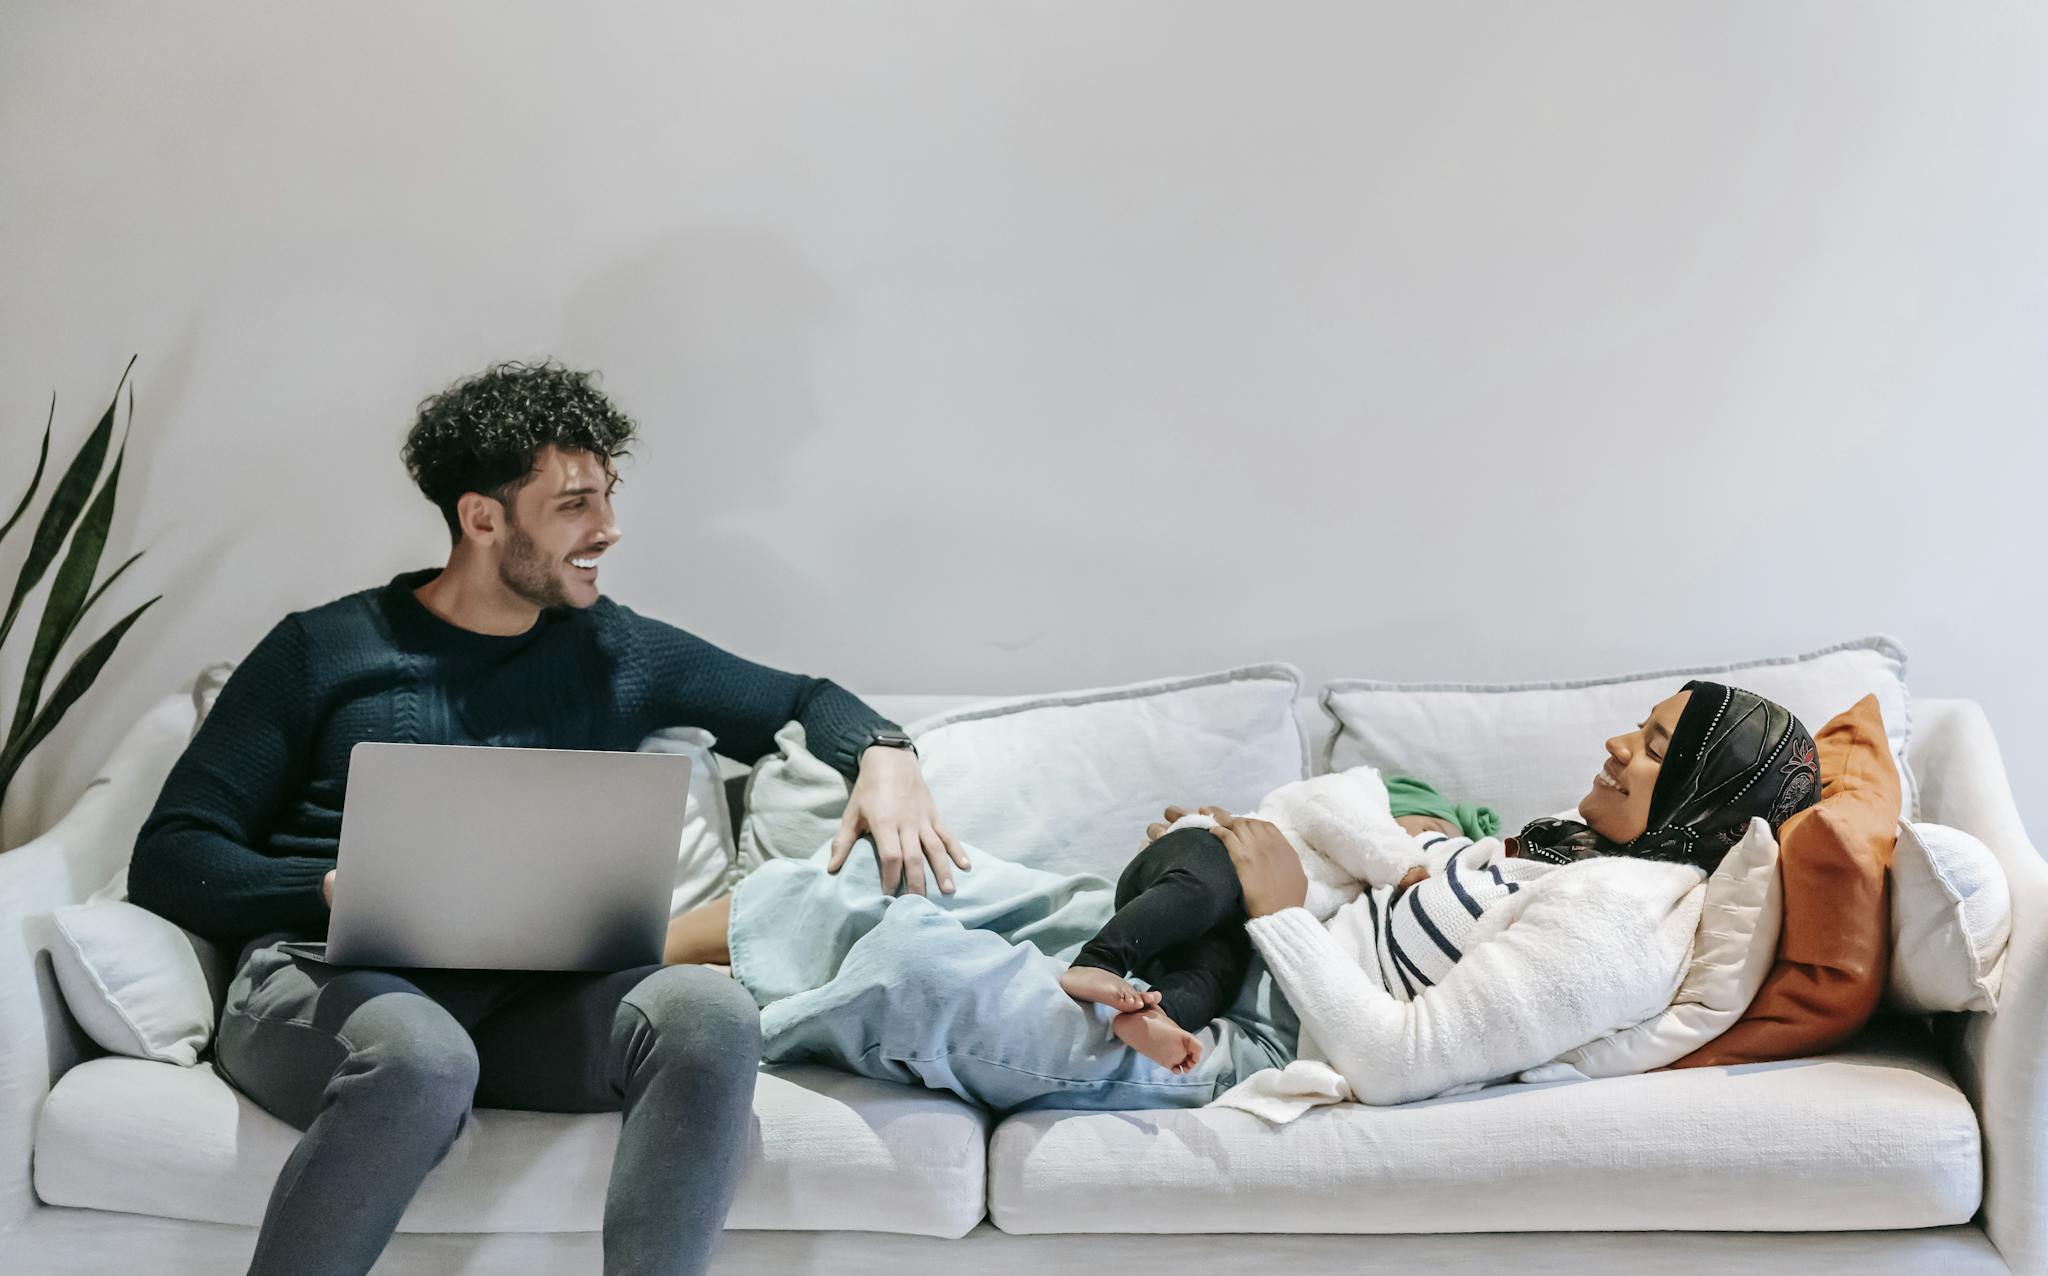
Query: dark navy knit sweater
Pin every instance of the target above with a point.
(249, 819)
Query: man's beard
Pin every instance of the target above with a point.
(528, 572)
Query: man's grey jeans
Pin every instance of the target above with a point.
(380, 1068)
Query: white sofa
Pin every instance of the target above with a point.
(1924, 1147)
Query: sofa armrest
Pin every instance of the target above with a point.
(39, 1040)
(2001, 1058)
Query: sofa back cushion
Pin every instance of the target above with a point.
(1066, 781)
(1529, 749)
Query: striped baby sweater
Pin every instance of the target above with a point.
(1417, 935)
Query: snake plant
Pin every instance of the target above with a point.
(33, 717)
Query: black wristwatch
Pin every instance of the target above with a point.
(890, 739)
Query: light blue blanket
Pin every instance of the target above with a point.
(962, 992)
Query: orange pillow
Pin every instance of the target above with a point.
(1834, 949)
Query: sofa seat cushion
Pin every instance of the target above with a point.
(1874, 1137)
(830, 1151)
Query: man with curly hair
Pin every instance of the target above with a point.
(511, 644)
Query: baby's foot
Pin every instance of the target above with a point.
(1164, 1042)
(1092, 983)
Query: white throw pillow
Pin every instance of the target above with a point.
(1741, 912)
(1064, 782)
(1528, 748)
(1951, 918)
(704, 861)
(134, 981)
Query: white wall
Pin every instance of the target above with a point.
(1003, 347)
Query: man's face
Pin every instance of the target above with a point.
(1618, 806)
(562, 517)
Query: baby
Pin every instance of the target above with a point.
(1179, 924)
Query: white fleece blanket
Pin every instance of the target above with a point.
(1342, 827)
(1585, 950)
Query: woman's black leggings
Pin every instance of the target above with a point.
(1179, 926)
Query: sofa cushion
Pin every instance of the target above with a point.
(1875, 1137)
(830, 1151)
(1527, 749)
(1066, 781)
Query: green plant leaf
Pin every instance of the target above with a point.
(65, 503)
(78, 679)
(67, 596)
(37, 480)
(96, 597)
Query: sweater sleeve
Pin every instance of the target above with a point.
(196, 859)
(1518, 1000)
(692, 682)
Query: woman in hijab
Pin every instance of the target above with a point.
(1501, 958)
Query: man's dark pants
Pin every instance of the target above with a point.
(380, 1068)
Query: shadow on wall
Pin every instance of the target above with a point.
(711, 339)
(717, 339)
(197, 527)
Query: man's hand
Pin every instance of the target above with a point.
(327, 888)
(892, 806)
(1268, 870)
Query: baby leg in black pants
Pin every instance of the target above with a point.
(1179, 926)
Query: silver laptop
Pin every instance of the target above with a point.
(481, 858)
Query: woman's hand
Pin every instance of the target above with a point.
(891, 804)
(1268, 870)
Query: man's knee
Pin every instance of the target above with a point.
(411, 1056)
(430, 1079)
(700, 1018)
(390, 1053)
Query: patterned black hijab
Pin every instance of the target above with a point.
(1733, 756)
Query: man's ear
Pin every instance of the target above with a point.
(481, 516)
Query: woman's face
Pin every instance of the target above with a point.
(1618, 805)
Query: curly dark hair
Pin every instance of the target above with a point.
(482, 433)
